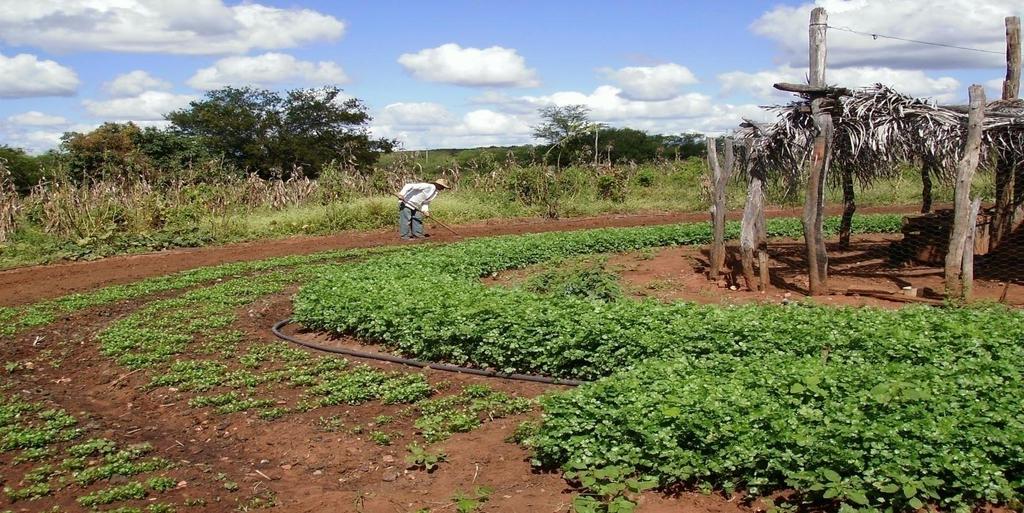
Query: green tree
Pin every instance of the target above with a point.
(263, 131)
(107, 151)
(628, 144)
(562, 126)
(685, 145)
(173, 153)
(25, 169)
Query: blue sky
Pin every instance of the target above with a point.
(464, 73)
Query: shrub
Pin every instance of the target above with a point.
(645, 178)
(611, 187)
(582, 279)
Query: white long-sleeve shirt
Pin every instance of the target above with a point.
(419, 195)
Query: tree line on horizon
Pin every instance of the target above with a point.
(238, 131)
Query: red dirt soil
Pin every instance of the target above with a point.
(861, 275)
(30, 284)
(308, 469)
(858, 276)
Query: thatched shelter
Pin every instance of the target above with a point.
(875, 130)
(878, 128)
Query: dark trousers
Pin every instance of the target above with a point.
(410, 222)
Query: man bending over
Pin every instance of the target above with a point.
(415, 204)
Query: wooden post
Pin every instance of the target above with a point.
(1003, 218)
(927, 169)
(849, 208)
(762, 266)
(821, 152)
(1011, 85)
(816, 46)
(814, 204)
(715, 170)
(750, 235)
(762, 247)
(962, 193)
(967, 268)
(719, 177)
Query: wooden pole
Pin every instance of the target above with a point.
(967, 268)
(814, 203)
(927, 169)
(1003, 216)
(1011, 85)
(719, 176)
(762, 246)
(750, 236)
(962, 193)
(762, 266)
(849, 208)
(723, 200)
(816, 46)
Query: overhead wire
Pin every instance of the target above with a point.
(876, 36)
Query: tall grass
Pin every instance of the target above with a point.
(9, 204)
(65, 220)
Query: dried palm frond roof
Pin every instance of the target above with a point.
(876, 130)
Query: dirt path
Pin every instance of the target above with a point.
(30, 284)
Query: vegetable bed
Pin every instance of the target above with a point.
(867, 408)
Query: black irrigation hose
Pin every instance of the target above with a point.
(418, 363)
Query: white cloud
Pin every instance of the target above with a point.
(505, 102)
(25, 75)
(607, 103)
(475, 67)
(36, 118)
(722, 119)
(994, 88)
(148, 106)
(489, 122)
(135, 83)
(970, 23)
(36, 139)
(424, 125)
(912, 82)
(511, 119)
(661, 82)
(414, 115)
(267, 69)
(195, 27)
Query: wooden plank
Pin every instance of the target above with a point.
(962, 192)
(811, 90)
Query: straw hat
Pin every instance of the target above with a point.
(442, 183)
